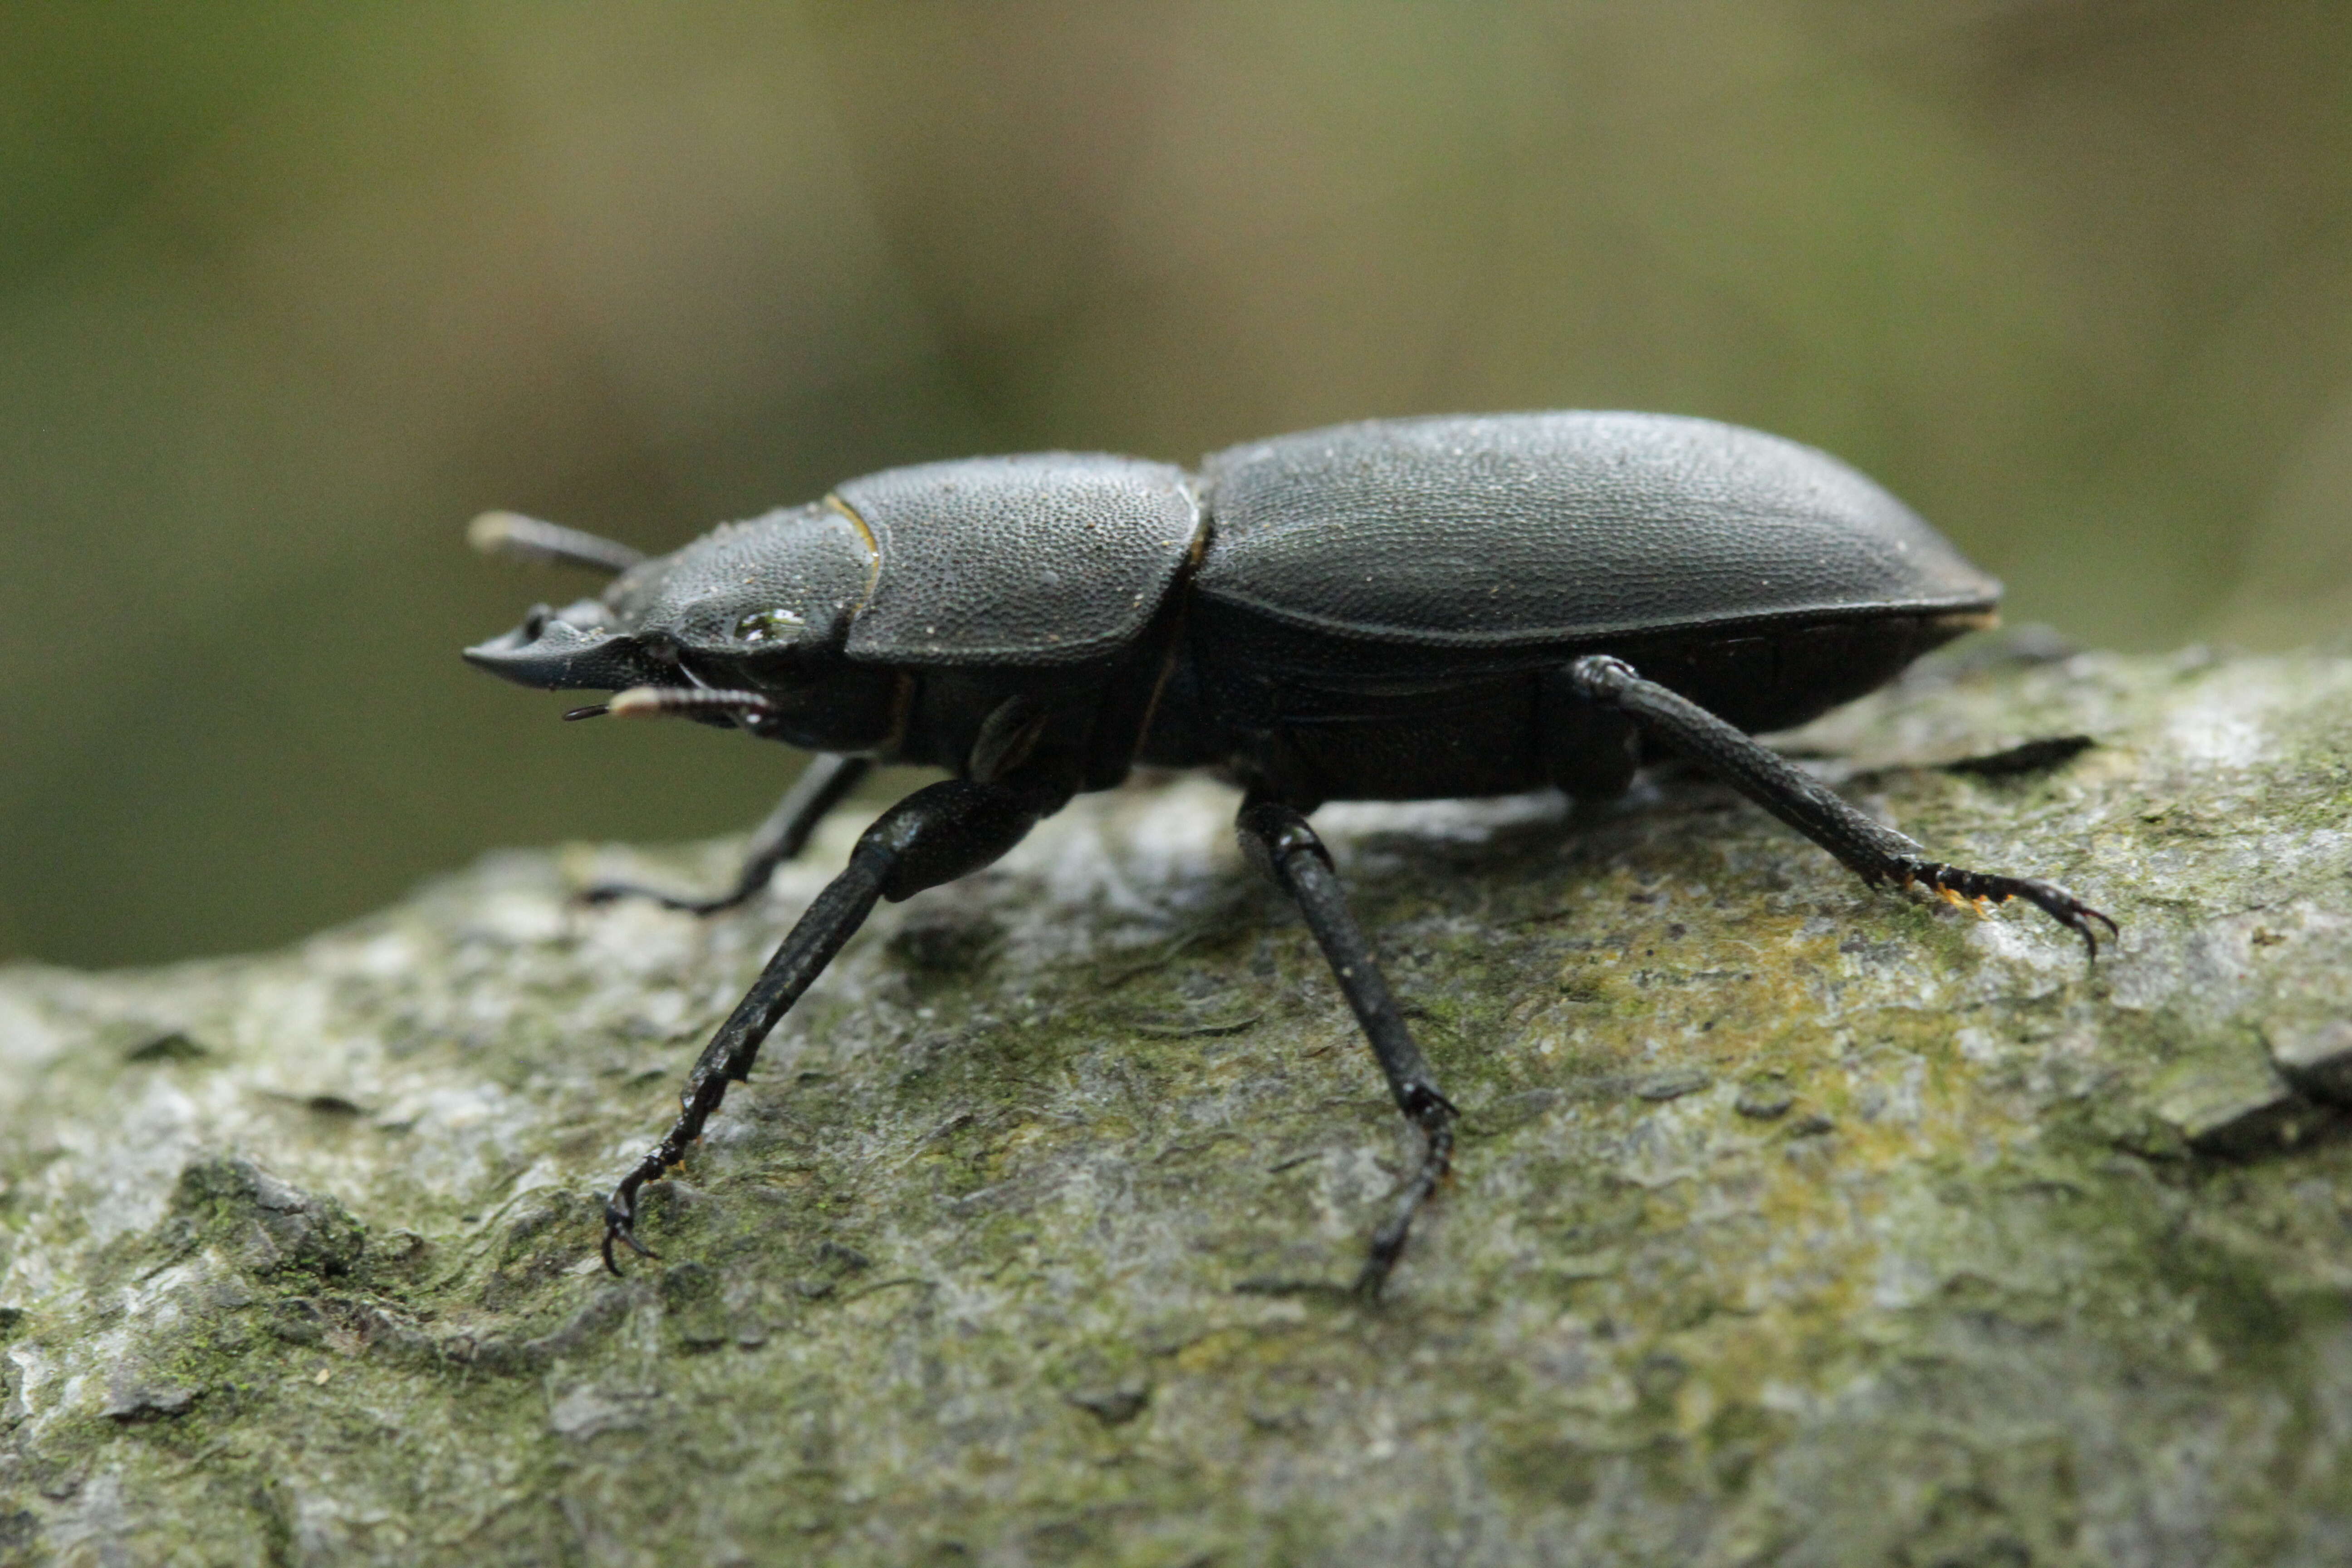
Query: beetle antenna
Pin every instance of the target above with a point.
(643, 702)
(512, 533)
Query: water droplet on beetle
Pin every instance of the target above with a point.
(768, 626)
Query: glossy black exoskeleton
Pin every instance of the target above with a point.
(1396, 610)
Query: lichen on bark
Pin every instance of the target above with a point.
(1793, 1223)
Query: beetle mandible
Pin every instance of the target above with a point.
(1399, 609)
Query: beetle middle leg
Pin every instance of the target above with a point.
(1875, 852)
(822, 784)
(1279, 840)
(937, 834)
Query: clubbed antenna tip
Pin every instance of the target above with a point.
(529, 538)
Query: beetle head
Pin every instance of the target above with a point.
(764, 604)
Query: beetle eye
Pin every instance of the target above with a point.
(535, 622)
(768, 626)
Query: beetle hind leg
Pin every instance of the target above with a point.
(1279, 840)
(1875, 852)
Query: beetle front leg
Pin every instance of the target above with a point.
(822, 784)
(1279, 840)
(1875, 852)
(936, 834)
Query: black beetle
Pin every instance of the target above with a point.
(1395, 610)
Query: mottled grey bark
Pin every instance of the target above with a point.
(1793, 1223)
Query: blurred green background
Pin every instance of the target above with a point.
(288, 291)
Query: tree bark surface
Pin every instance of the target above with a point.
(1793, 1222)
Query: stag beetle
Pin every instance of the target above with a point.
(1399, 609)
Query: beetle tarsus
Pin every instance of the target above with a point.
(1956, 883)
(621, 1222)
(613, 892)
(1436, 1123)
